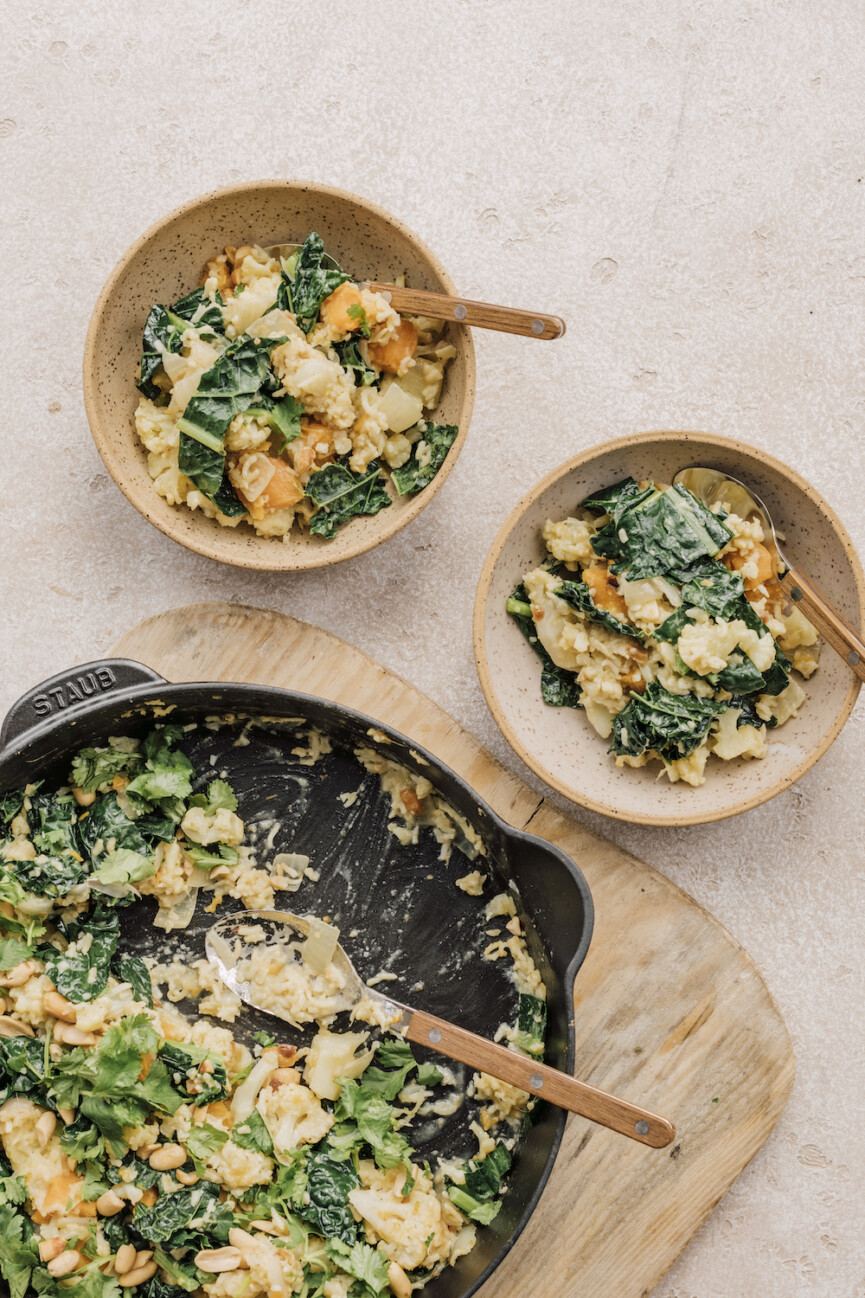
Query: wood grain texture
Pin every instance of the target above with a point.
(828, 621)
(484, 315)
(671, 1012)
(540, 1079)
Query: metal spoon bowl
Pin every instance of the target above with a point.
(715, 486)
(226, 948)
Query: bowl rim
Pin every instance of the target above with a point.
(279, 558)
(482, 596)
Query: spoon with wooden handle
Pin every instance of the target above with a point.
(416, 301)
(714, 486)
(317, 946)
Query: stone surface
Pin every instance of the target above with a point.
(685, 185)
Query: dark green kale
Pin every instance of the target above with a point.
(198, 310)
(24, 1068)
(672, 725)
(191, 1217)
(531, 1024)
(578, 595)
(53, 822)
(328, 1185)
(350, 358)
(559, 687)
(10, 804)
(659, 533)
(132, 969)
(160, 336)
(341, 495)
(311, 282)
(417, 473)
(81, 973)
(283, 418)
(477, 1197)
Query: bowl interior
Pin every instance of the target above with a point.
(168, 261)
(397, 907)
(558, 743)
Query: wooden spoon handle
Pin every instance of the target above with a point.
(506, 319)
(828, 621)
(539, 1079)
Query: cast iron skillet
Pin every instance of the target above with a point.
(400, 903)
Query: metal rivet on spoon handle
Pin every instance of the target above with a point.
(448, 1039)
(707, 483)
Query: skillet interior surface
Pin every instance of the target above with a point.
(397, 906)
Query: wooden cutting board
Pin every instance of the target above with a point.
(670, 1011)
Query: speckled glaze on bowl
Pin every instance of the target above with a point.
(168, 261)
(558, 743)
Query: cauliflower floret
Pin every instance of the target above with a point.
(155, 426)
(369, 432)
(397, 450)
(249, 305)
(705, 645)
(689, 769)
(219, 826)
(292, 1115)
(472, 883)
(27, 999)
(797, 631)
(729, 739)
(238, 1169)
(169, 482)
(322, 385)
(781, 706)
(332, 1055)
(569, 541)
(246, 433)
(411, 1231)
(220, 1042)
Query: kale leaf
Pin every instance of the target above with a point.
(228, 388)
(24, 1068)
(183, 1062)
(559, 687)
(53, 823)
(672, 725)
(311, 282)
(350, 358)
(81, 972)
(477, 1196)
(341, 494)
(10, 804)
(192, 1216)
(48, 876)
(659, 533)
(107, 821)
(283, 418)
(197, 309)
(160, 336)
(132, 969)
(427, 457)
(578, 595)
(531, 1024)
(328, 1185)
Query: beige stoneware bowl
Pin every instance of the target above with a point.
(166, 262)
(558, 743)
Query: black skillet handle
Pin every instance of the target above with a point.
(72, 689)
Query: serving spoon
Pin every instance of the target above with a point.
(427, 1030)
(416, 301)
(712, 486)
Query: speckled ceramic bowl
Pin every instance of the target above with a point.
(166, 262)
(558, 743)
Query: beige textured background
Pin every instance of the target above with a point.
(685, 183)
